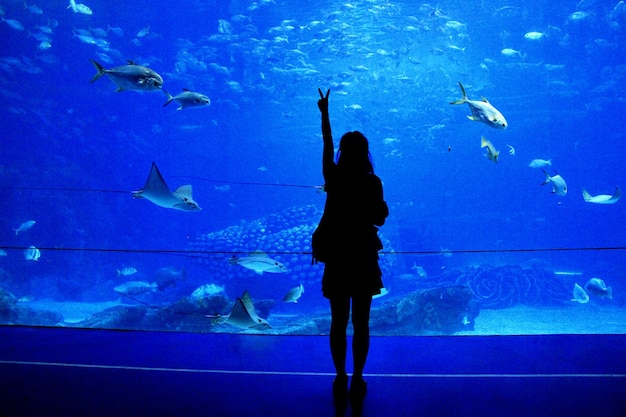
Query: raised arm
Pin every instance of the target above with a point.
(328, 153)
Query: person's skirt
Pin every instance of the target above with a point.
(352, 276)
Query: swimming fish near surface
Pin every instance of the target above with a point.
(294, 294)
(492, 153)
(602, 198)
(130, 77)
(188, 99)
(79, 8)
(157, 192)
(136, 287)
(24, 227)
(597, 287)
(259, 262)
(558, 183)
(580, 295)
(482, 111)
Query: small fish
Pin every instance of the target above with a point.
(259, 262)
(136, 287)
(539, 163)
(13, 23)
(144, 32)
(126, 271)
(79, 8)
(207, 290)
(596, 286)
(294, 294)
(3, 252)
(492, 153)
(534, 36)
(580, 295)
(482, 111)
(157, 191)
(188, 99)
(32, 254)
(24, 226)
(511, 150)
(558, 183)
(510, 52)
(602, 198)
(130, 77)
(419, 271)
(445, 252)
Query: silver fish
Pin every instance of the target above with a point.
(157, 191)
(540, 163)
(126, 271)
(294, 294)
(558, 183)
(79, 8)
(492, 153)
(482, 111)
(597, 286)
(130, 77)
(188, 99)
(259, 262)
(136, 287)
(24, 227)
(602, 198)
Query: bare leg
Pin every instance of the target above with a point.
(361, 340)
(340, 314)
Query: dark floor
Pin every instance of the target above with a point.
(69, 372)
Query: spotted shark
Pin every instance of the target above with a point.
(157, 192)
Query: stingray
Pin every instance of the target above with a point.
(244, 315)
(157, 191)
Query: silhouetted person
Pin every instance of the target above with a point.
(354, 207)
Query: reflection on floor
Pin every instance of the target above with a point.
(71, 372)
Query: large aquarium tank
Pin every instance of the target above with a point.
(161, 162)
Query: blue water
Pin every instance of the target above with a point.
(73, 151)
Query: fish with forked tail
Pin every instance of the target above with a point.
(188, 99)
(559, 187)
(482, 111)
(130, 77)
(602, 198)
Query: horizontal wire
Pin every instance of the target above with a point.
(194, 252)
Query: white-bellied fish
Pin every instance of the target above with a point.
(157, 192)
(492, 153)
(15, 24)
(580, 295)
(597, 287)
(259, 262)
(534, 36)
(602, 198)
(126, 271)
(32, 254)
(79, 8)
(419, 271)
(482, 111)
(559, 187)
(130, 77)
(188, 99)
(510, 52)
(540, 163)
(207, 290)
(24, 226)
(294, 294)
(136, 287)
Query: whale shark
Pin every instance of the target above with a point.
(156, 191)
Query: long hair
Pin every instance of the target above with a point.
(353, 155)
